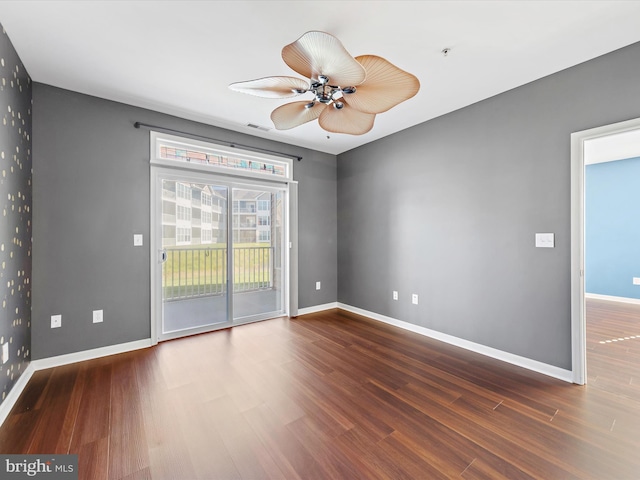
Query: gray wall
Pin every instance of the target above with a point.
(449, 209)
(15, 215)
(91, 194)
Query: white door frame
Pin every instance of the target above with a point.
(578, 319)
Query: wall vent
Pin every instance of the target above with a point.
(258, 127)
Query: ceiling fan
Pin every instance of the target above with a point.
(347, 92)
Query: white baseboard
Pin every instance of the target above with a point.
(42, 364)
(317, 308)
(534, 365)
(609, 298)
(14, 393)
(51, 362)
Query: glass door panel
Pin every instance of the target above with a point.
(258, 259)
(195, 257)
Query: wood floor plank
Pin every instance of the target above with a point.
(128, 450)
(57, 417)
(92, 423)
(290, 455)
(93, 459)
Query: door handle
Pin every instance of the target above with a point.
(162, 256)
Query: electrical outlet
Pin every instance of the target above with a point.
(5, 353)
(414, 298)
(395, 295)
(97, 316)
(56, 321)
(318, 285)
(636, 280)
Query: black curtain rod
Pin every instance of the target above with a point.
(224, 142)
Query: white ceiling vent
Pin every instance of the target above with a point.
(258, 127)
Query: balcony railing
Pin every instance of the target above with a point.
(198, 272)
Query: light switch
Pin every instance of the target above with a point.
(98, 316)
(137, 239)
(545, 240)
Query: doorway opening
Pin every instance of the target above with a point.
(605, 297)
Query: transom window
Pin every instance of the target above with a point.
(263, 165)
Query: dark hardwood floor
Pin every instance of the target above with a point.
(337, 396)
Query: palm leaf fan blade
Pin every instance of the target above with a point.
(385, 87)
(272, 87)
(318, 53)
(346, 120)
(294, 114)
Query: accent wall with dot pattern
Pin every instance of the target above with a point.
(15, 216)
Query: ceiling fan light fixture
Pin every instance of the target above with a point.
(373, 84)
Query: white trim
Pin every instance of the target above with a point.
(534, 365)
(610, 298)
(13, 396)
(75, 357)
(318, 308)
(42, 364)
(578, 320)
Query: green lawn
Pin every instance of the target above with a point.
(202, 269)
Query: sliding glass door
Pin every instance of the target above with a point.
(221, 257)
(258, 253)
(194, 267)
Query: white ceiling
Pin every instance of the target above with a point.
(178, 57)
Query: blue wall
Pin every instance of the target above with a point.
(612, 228)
